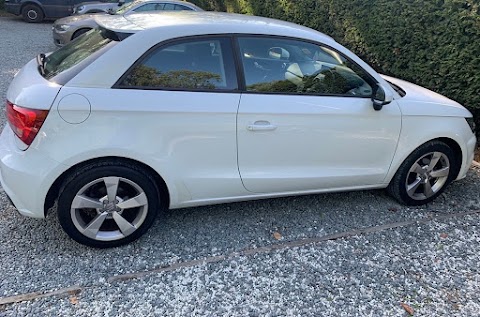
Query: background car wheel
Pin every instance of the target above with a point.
(108, 204)
(79, 32)
(424, 174)
(32, 13)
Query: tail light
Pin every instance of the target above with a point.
(25, 122)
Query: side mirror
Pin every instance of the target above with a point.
(381, 97)
(121, 3)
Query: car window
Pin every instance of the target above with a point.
(147, 7)
(169, 6)
(277, 65)
(181, 8)
(186, 65)
(73, 53)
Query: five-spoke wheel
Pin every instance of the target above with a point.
(424, 174)
(108, 205)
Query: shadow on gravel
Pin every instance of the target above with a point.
(37, 255)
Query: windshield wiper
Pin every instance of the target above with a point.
(41, 63)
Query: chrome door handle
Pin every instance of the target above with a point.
(261, 126)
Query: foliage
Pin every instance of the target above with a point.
(144, 76)
(434, 43)
(2, 4)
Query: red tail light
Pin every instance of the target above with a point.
(25, 122)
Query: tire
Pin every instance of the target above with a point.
(32, 13)
(425, 174)
(99, 217)
(79, 32)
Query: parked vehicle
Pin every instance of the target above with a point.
(66, 29)
(155, 111)
(99, 6)
(38, 10)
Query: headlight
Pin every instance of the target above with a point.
(471, 123)
(61, 27)
(79, 8)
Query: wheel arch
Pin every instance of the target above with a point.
(80, 29)
(54, 190)
(30, 2)
(453, 144)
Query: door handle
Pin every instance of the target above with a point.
(261, 126)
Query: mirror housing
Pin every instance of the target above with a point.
(381, 96)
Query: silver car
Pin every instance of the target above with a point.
(99, 6)
(68, 28)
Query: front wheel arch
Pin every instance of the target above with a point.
(54, 190)
(447, 147)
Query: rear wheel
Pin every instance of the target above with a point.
(108, 204)
(424, 175)
(32, 13)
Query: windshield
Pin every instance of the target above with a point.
(76, 51)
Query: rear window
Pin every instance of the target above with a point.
(86, 48)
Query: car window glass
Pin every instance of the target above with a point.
(189, 65)
(290, 66)
(180, 7)
(169, 6)
(146, 7)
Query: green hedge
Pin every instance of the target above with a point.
(434, 43)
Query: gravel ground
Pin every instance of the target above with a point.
(432, 266)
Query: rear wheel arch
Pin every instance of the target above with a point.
(54, 191)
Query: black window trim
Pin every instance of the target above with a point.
(370, 79)
(180, 40)
(238, 66)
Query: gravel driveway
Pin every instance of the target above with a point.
(348, 254)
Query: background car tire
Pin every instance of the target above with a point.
(79, 32)
(32, 13)
(424, 175)
(89, 215)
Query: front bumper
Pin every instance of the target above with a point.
(60, 38)
(470, 153)
(26, 176)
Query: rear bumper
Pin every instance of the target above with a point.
(13, 8)
(26, 176)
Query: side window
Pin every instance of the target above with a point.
(169, 6)
(182, 8)
(205, 64)
(290, 66)
(146, 7)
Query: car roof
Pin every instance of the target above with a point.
(207, 23)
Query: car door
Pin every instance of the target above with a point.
(58, 8)
(306, 120)
(186, 93)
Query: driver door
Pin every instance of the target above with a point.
(306, 120)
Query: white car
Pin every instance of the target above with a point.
(145, 114)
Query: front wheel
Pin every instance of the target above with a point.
(424, 175)
(108, 204)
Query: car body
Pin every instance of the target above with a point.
(66, 29)
(38, 10)
(196, 108)
(98, 6)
